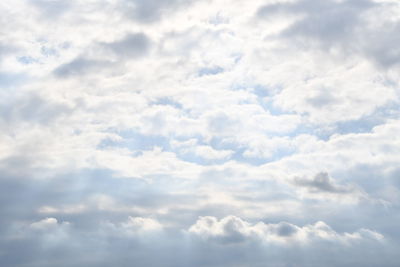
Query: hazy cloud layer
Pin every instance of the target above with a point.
(199, 133)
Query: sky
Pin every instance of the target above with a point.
(189, 133)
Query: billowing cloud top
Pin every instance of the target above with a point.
(199, 133)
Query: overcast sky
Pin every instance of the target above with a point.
(215, 133)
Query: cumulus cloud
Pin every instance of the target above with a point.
(238, 133)
(57, 242)
(232, 229)
(144, 224)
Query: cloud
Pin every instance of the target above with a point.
(321, 182)
(133, 45)
(51, 8)
(233, 230)
(6, 50)
(343, 25)
(191, 147)
(47, 224)
(54, 242)
(31, 108)
(142, 224)
(237, 133)
(334, 20)
(149, 11)
(80, 66)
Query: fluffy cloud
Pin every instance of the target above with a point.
(239, 133)
(245, 242)
(232, 229)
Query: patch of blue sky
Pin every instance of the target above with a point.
(367, 123)
(136, 141)
(210, 71)
(267, 104)
(187, 153)
(49, 51)
(26, 60)
(218, 19)
(364, 124)
(261, 91)
(264, 97)
(249, 85)
(254, 87)
(239, 150)
(167, 101)
(222, 143)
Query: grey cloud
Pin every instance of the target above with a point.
(108, 249)
(31, 108)
(232, 229)
(78, 196)
(322, 183)
(49, 242)
(323, 98)
(285, 229)
(80, 66)
(3, 49)
(133, 45)
(51, 8)
(6, 49)
(10, 79)
(260, 238)
(96, 236)
(342, 25)
(381, 45)
(327, 21)
(148, 11)
(222, 123)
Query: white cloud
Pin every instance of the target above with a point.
(45, 224)
(142, 224)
